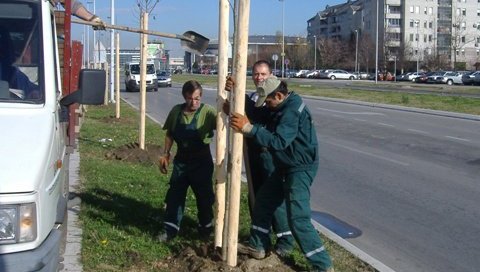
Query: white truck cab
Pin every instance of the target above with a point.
(132, 77)
(33, 140)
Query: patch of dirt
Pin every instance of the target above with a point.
(132, 153)
(205, 259)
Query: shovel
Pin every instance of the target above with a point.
(191, 41)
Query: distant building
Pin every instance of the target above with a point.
(422, 28)
(155, 52)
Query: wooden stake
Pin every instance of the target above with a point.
(237, 144)
(105, 66)
(143, 85)
(117, 74)
(221, 175)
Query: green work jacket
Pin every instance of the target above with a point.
(290, 136)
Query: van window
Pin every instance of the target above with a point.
(135, 69)
(20, 52)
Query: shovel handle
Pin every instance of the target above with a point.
(136, 30)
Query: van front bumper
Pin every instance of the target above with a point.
(132, 84)
(44, 258)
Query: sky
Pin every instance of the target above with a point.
(178, 16)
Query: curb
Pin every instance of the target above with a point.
(73, 243)
(379, 266)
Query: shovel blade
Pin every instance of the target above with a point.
(195, 43)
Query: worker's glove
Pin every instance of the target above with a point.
(100, 25)
(164, 162)
(229, 84)
(240, 123)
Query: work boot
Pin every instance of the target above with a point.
(250, 251)
(164, 237)
(205, 232)
(281, 252)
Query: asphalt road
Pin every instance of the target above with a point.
(407, 184)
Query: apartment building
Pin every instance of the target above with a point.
(416, 30)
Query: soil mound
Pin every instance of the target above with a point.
(133, 153)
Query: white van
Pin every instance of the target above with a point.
(34, 138)
(132, 77)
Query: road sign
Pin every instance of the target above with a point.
(275, 57)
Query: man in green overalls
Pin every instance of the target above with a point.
(290, 137)
(260, 160)
(190, 125)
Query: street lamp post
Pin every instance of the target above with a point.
(283, 37)
(315, 53)
(376, 46)
(112, 63)
(417, 22)
(356, 51)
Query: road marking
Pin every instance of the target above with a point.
(384, 124)
(369, 154)
(459, 139)
(353, 112)
(418, 131)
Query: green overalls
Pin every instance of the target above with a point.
(261, 169)
(291, 139)
(192, 166)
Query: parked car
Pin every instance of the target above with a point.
(414, 75)
(476, 79)
(312, 74)
(386, 76)
(340, 74)
(301, 73)
(468, 79)
(437, 77)
(451, 78)
(164, 79)
(361, 75)
(423, 78)
(404, 77)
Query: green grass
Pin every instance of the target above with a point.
(425, 101)
(122, 203)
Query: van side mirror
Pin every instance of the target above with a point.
(91, 89)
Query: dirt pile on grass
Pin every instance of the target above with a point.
(206, 259)
(133, 153)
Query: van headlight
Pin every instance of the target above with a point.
(18, 223)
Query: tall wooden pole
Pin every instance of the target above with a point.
(117, 74)
(237, 143)
(143, 87)
(221, 175)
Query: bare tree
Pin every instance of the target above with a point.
(146, 5)
(366, 49)
(332, 52)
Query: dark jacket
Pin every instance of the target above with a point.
(290, 136)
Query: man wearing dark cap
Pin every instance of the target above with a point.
(290, 137)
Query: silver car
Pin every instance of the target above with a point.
(451, 78)
(341, 74)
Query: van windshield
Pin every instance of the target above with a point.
(135, 69)
(20, 52)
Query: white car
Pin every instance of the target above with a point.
(451, 78)
(341, 74)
